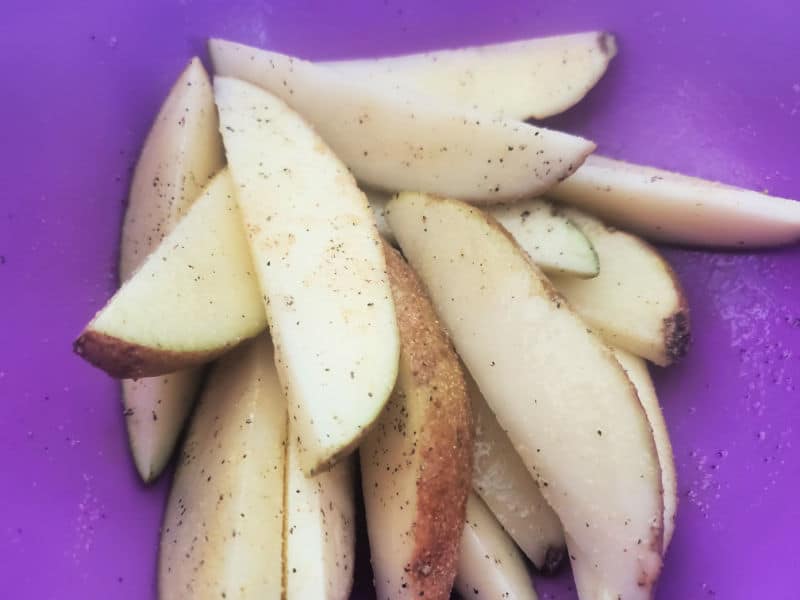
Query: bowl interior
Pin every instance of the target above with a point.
(704, 88)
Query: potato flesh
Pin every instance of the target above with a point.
(321, 270)
(155, 410)
(490, 566)
(670, 207)
(181, 154)
(389, 485)
(634, 297)
(196, 292)
(404, 141)
(637, 372)
(554, 243)
(538, 77)
(319, 531)
(502, 481)
(222, 534)
(567, 405)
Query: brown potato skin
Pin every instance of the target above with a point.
(124, 360)
(677, 330)
(677, 327)
(445, 444)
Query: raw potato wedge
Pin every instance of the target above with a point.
(416, 462)
(524, 79)
(567, 405)
(321, 269)
(637, 372)
(319, 534)
(670, 207)
(222, 533)
(554, 243)
(636, 302)
(180, 155)
(490, 566)
(195, 297)
(501, 479)
(405, 141)
(155, 410)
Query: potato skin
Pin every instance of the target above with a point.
(125, 360)
(443, 436)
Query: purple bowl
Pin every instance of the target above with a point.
(708, 88)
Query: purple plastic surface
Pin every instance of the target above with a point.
(704, 87)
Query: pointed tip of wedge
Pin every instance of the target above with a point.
(147, 473)
(608, 44)
(147, 466)
(123, 359)
(677, 335)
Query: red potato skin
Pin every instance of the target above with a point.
(124, 360)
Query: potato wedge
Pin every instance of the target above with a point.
(525, 79)
(321, 270)
(637, 372)
(405, 141)
(490, 566)
(416, 462)
(554, 243)
(195, 297)
(670, 207)
(555, 387)
(156, 409)
(502, 481)
(222, 533)
(319, 534)
(636, 302)
(181, 154)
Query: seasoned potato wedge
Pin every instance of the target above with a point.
(416, 462)
(555, 387)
